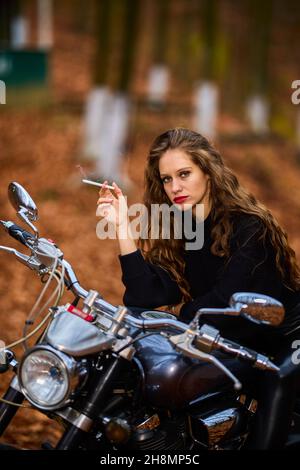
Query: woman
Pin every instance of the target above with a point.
(244, 247)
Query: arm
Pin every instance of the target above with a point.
(147, 285)
(251, 267)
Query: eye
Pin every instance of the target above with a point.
(165, 179)
(185, 174)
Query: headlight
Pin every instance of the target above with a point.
(48, 377)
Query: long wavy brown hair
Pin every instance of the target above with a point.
(227, 197)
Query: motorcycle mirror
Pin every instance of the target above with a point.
(21, 200)
(23, 203)
(258, 308)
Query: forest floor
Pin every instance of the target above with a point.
(40, 148)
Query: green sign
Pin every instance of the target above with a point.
(23, 67)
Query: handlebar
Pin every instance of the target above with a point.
(35, 262)
(209, 339)
(17, 232)
(72, 283)
(195, 342)
(259, 361)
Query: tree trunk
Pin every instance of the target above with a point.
(5, 20)
(206, 99)
(257, 105)
(159, 75)
(101, 60)
(44, 24)
(98, 99)
(131, 14)
(108, 113)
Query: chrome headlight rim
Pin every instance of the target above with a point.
(69, 366)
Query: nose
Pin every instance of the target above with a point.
(176, 186)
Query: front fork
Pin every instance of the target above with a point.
(78, 430)
(7, 411)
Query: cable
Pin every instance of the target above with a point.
(41, 309)
(20, 405)
(31, 313)
(134, 340)
(59, 277)
(58, 274)
(25, 338)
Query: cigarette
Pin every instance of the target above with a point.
(97, 184)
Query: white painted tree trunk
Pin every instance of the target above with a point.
(206, 109)
(158, 84)
(19, 32)
(105, 129)
(111, 150)
(257, 112)
(96, 114)
(2, 92)
(298, 129)
(44, 24)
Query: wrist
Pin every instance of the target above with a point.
(123, 230)
(124, 223)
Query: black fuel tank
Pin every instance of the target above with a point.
(173, 380)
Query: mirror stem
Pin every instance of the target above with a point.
(22, 214)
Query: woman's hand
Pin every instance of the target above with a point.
(112, 207)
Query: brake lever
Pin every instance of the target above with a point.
(29, 261)
(183, 343)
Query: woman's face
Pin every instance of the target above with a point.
(184, 182)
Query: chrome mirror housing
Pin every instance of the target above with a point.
(21, 200)
(258, 308)
(23, 203)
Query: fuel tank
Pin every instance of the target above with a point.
(172, 380)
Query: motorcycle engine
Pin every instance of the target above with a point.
(164, 433)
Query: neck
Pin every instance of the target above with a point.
(201, 217)
(206, 202)
(207, 209)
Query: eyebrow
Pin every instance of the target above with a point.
(177, 171)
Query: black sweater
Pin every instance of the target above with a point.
(251, 267)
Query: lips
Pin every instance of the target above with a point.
(180, 199)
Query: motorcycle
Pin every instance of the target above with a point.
(119, 381)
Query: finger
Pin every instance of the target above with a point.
(105, 199)
(104, 189)
(117, 190)
(100, 212)
(104, 205)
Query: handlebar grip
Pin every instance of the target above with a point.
(18, 233)
(235, 349)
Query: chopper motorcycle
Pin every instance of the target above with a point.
(126, 382)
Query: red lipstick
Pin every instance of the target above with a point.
(180, 199)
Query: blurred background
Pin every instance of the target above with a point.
(93, 82)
